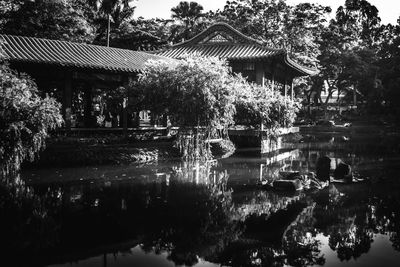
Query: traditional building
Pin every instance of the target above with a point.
(80, 76)
(256, 61)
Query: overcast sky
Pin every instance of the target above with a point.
(389, 10)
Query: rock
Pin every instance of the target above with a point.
(290, 175)
(328, 123)
(343, 172)
(323, 168)
(287, 185)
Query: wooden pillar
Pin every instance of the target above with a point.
(259, 73)
(125, 116)
(273, 75)
(67, 99)
(88, 105)
(125, 109)
(273, 80)
(291, 90)
(285, 87)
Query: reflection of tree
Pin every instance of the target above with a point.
(197, 219)
(188, 219)
(189, 213)
(25, 226)
(285, 236)
(350, 220)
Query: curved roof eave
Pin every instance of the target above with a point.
(302, 70)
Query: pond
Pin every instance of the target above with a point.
(210, 214)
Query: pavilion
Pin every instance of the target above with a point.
(80, 76)
(252, 58)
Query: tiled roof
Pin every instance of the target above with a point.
(77, 55)
(225, 51)
(220, 27)
(223, 41)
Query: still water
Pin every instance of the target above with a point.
(210, 214)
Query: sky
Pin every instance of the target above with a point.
(389, 10)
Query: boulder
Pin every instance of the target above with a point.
(287, 185)
(343, 172)
(328, 123)
(323, 168)
(290, 175)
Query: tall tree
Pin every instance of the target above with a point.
(389, 64)
(53, 19)
(359, 22)
(111, 15)
(348, 56)
(188, 14)
(279, 24)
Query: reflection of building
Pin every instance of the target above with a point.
(87, 79)
(252, 58)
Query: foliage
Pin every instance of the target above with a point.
(53, 19)
(256, 104)
(389, 68)
(25, 120)
(348, 55)
(141, 34)
(118, 13)
(295, 28)
(197, 95)
(196, 92)
(186, 16)
(201, 95)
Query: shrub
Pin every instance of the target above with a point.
(202, 93)
(256, 104)
(196, 92)
(25, 120)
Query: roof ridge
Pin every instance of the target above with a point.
(209, 29)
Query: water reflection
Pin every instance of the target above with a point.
(203, 214)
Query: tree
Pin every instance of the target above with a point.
(359, 22)
(278, 24)
(141, 34)
(110, 16)
(295, 28)
(389, 64)
(201, 96)
(196, 92)
(188, 13)
(348, 56)
(52, 19)
(25, 120)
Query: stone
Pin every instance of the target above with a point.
(287, 185)
(323, 168)
(290, 175)
(328, 123)
(343, 172)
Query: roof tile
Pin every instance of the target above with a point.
(77, 55)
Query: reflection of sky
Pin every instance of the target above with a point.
(381, 253)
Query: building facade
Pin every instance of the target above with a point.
(87, 79)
